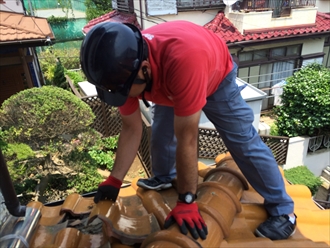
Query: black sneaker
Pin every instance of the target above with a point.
(276, 228)
(153, 183)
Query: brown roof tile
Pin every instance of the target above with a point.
(18, 27)
(231, 208)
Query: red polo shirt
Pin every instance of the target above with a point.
(188, 62)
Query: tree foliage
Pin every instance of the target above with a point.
(44, 113)
(49, 57)
(305, 108)
(96, 8)
(59, 79)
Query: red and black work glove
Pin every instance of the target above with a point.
(187, 216)
(108, 190)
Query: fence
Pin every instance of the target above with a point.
(53, 4)
(108, 123)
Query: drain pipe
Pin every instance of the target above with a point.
(7, 188)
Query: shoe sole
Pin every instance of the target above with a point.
(160, 187)
(259, 234)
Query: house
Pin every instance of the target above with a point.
(290, 35)
(19, 35)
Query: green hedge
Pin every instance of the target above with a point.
(302, 175)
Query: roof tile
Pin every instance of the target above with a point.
(16, 26)
(225, 29)
(231, 208)
(113, 16)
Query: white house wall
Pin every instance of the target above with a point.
(198, 17)
(251, 20)
(12, 6)
(298, 155)
(323, 6)
(311, 46)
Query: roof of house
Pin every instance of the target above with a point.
(18, 28)
(222, 26)
(231, 208)
(113, 16)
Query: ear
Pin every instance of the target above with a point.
(146, 68)
(145, 63)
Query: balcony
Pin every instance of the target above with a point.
(189, 5)
(280, 8)
(246, 15)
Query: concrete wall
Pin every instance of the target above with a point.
(199, 17)
(323, 6)
(247, 21)
(298, 155)
(12, 6)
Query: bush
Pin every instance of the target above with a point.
(48, 59)
(44, 113)
(97, 8)
(59, 79)
(76, 77)
(305, 108)
(302, 175)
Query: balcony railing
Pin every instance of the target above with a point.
(183, 5)
(319, 142)
(280, 8)
(123, 5)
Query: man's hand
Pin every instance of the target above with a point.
(109, 190)
(187, 216)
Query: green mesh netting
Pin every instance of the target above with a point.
(72, 30)
(53, 4)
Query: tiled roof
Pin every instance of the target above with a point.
(224, 28)
(231, 208)
(18, 27)
(113, 16)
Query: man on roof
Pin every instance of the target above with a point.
(184, 69)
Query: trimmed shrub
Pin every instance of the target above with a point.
(44, 113)
(302, 175)
(306, 103)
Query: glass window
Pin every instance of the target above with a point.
(293, 50)
(245, 56)
(276, 52)
(260, 55)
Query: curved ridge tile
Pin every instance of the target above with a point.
(129, 230)
(49, 215)
(76, 204)
(155, 204)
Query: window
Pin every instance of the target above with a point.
(267, 67)
(199, 4)
(123, 5)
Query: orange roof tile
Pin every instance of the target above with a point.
(18, 27)
(231, 208)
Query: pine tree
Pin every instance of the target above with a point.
(59, 79)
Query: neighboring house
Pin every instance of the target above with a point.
(19, 35)
(270, 39)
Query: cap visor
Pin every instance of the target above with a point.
(113, 99)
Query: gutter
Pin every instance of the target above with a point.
(39, 42)
(6, 185)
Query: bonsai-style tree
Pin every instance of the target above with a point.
(38, 126)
